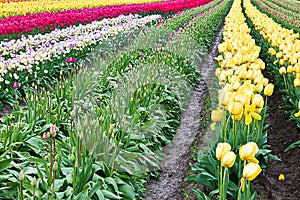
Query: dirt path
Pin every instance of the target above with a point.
(281, 133)
(176, 165)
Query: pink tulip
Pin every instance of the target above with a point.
(52, 131)
(74, 60)
(45, 135)
(68, 60)
(15, 85)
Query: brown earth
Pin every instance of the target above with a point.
(281, 133)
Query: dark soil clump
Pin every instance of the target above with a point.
(281, 133)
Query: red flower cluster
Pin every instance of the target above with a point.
(51, 20)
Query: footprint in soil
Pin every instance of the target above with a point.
(176, 165)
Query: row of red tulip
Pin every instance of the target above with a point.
(51, 20)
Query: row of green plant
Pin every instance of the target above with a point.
(240, 151)
(282, 60)
(289, 5)
(51, 69)
(278, 17)
(189, 15)
(97, 134)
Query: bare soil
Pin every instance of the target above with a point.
(281, 133)
(189, 138)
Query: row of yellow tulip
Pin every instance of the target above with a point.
(285, 43)
(240, 72)
(23, 7)
(241, 100)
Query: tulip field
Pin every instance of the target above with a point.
(149, 99)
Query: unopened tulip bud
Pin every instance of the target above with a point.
(34, 182)
(268, 91)
(21, 176)
(45, 135)
(53, 131)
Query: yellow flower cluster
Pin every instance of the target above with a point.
(284, 40)
(23, 7)
(247, 152)
(240, 71)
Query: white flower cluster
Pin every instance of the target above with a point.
(22, 54)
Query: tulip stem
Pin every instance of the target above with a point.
(284, 82)
(221, 185)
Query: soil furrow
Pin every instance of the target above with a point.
(176, 165)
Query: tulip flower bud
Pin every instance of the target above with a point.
(34, 182)
(15, 85)
(282, 70)
(222, 149)
(268, 91)
(290, 69)
(45, 135)
(55, 166)
(228, 159)
(53, 131)
(21, 176)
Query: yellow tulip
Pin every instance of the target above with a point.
(290, 69)
(259, 87)
(248, 151)
(216, 115)
(272, 51)
(250, 112)
(235, 108)
(297, 82)
(282, 70)
(279, 55)
(222, 149)
(228, 159)
(213, 126)
(265, 81)
(269, 89)
(281, 62)
(251, 171)
(258, 100)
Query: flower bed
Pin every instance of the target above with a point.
(39, 6)
(49, 21)
(72, 142)
(240, 152)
